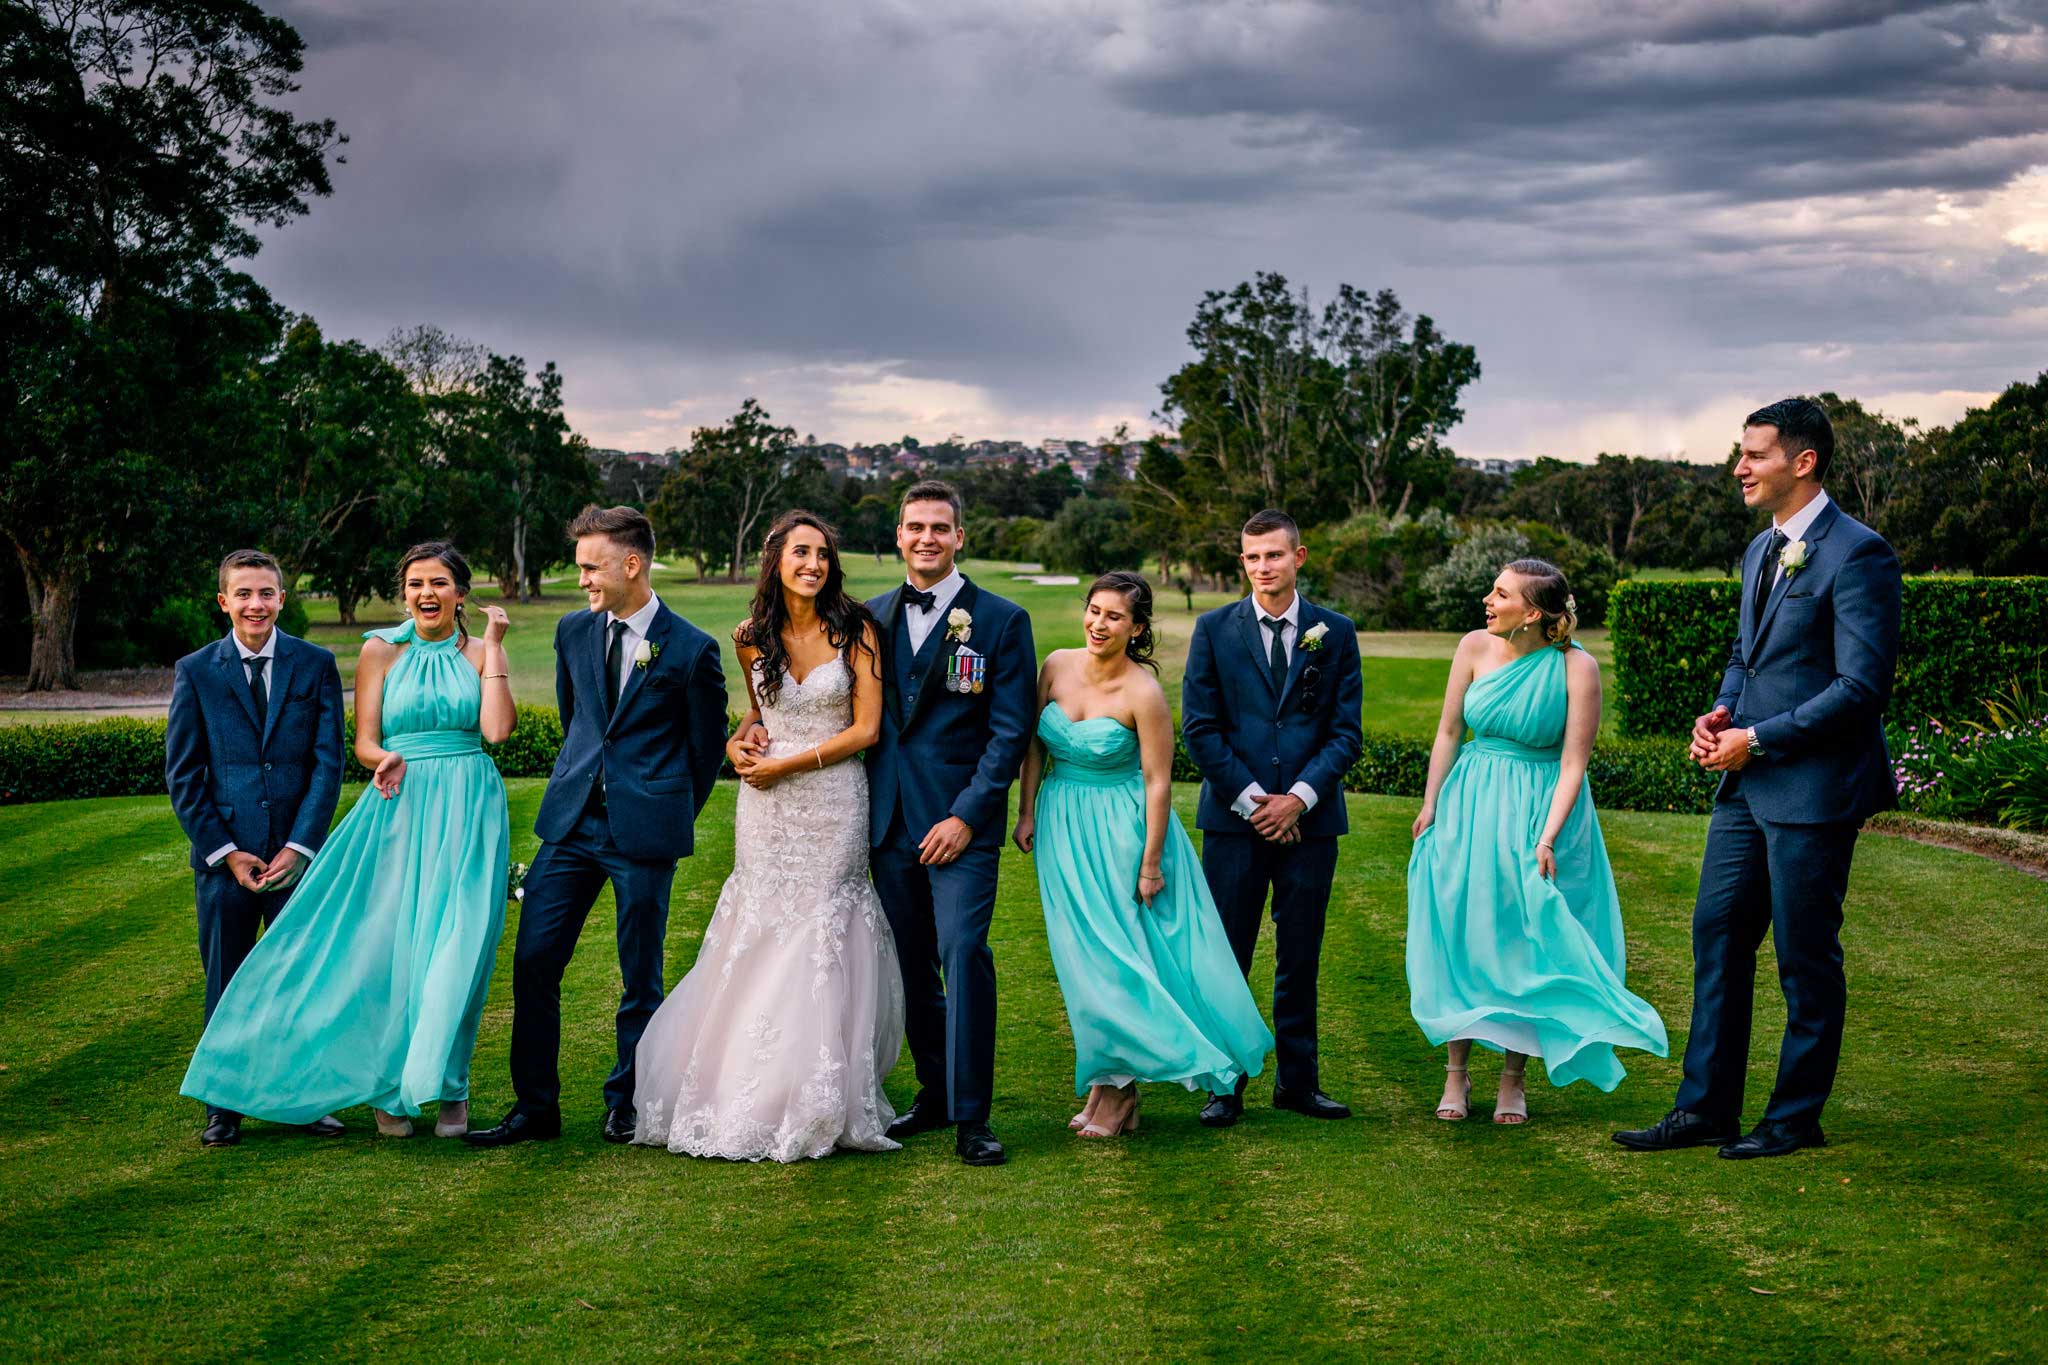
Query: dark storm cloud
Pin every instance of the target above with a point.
(686, 202)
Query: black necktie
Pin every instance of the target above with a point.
(256, 687)
(1767, 573)
(613, 657)
(1278, 662)
(919, 598)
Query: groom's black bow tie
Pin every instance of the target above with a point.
(917, 597)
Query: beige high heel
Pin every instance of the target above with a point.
(1127, 1124)
(1080, 1120)
(392, 1125)
(453, 1119)
(1451, 1113)
(1518, 1111)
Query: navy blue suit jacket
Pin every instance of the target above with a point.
(258, 782)
(659, 753)
(951, 753)
(1814, 674)
(1239, 732)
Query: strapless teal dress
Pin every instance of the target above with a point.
(1497, 953)
(1152, 994)
(368, 986)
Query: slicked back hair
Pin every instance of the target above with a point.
(249, 559)
(1802, 425)
(1271, 520)
(933, 490)
(628, 528)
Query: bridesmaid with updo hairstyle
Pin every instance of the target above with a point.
(1514, 926)
(1152, 987)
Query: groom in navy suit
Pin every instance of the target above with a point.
(959, 676)
(642, 698)
(1798, 736)
(252, 760)
(1270, 712)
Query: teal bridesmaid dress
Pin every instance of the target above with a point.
(1496, 952)
(368, 986)
(1153, 994)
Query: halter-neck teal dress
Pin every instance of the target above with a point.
(1153, 994)
(368, 986)
(1497, 953)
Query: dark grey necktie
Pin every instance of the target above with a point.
(613, 658)
(1277, 662)
(1767, 573)
(256, 687)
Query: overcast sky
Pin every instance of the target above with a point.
(997, 217)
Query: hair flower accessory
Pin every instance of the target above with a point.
(1793, 557)
(646, 654)
(1571, 604)
(1312, 638)
(959, 625)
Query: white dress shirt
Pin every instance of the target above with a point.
(919, 620)
(1797, 525)
(269, 654)
(637, 626)
(1289, 630)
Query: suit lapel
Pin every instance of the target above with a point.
(636, 676)
(279, 679)
(1254, 636)
(928, 658)
(237, 679)
(885, 637)
(1304, 620)
(1822, 524)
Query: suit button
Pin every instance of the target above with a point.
(266, 805)
(1276, 762)
(1751, 672)
(266, 767)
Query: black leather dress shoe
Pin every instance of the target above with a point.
(325, 1126)
(1221, 1111)
(926, 1113)
(1676, 1129)
(1313, 1103)
(977, 1146)
(222, 1130)
(618, 1124)
(517, 1126)
(1774, 1137)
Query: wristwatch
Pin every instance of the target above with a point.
(1756, 748)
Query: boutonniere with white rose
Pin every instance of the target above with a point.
(1792, 558)
(646, 654)
(959, 625)
(1312, 638)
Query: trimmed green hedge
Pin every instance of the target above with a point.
(67, 760)
(1960, 640)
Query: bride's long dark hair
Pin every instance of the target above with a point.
(845, 618)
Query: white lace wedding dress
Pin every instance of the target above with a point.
(775, 1045)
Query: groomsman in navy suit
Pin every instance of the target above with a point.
(1270, 713)
(642, 699)
(252, 760)
(959, 679)
(1798, 736)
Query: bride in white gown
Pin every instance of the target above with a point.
(775, 1045)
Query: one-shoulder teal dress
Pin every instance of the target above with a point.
(1497, 953)
(1153, 994)
(368, 986)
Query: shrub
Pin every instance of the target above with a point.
(1453, 590)
(1370, 567)
(1994, 771)
(1960, 638)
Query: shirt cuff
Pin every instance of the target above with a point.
(213, 858)
(305, 852)
(1244, 805)
(1305, 793)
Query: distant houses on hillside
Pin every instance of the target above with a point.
(636, 475)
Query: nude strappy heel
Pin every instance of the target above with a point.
(1518, 1111)
(1451, 1113)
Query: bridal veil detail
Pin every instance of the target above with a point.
(776, 1044)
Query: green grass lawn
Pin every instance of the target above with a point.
(1921, 1230)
